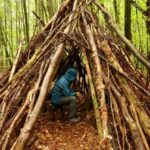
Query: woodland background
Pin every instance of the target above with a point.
(86, 33)
(20, 20)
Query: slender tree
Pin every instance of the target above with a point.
(50, 8)
(127, 29)
(117, 12)
(148, 16)
(26, 21)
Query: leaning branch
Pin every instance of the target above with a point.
(15, 62)
(94, 98)
(41, 21)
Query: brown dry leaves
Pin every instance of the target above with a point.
(64, 136)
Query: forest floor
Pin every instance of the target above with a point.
(57, 135)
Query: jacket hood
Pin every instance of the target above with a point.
(71, 74)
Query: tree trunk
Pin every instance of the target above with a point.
(127, 28)
(127, 20)
(148, 16)
(26, 24)
(50, 8)
(117, 11)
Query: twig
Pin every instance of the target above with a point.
(78, 42)
(41, 21)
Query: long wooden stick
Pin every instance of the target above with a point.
(133, 100)
(99, 85)
(15, 62)
(35, 90)
(94, 98)
(140, 128)
(127, 90)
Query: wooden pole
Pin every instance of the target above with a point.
(97, 72)
(94, 98)
(15, 62)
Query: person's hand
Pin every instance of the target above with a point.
(79, 95)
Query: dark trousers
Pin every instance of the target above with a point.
(72, 102)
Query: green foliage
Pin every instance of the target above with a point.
(102, 1)
(13, 25)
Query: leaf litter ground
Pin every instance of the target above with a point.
(57, 135)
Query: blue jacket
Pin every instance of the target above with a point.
(62, 86)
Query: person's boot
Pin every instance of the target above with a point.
(75, 120)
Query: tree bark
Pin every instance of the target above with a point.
(116, 9)
(97, 70)
(148, 16)
(94, 98)
(128, 33)
(130, 121)
(26, 21)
